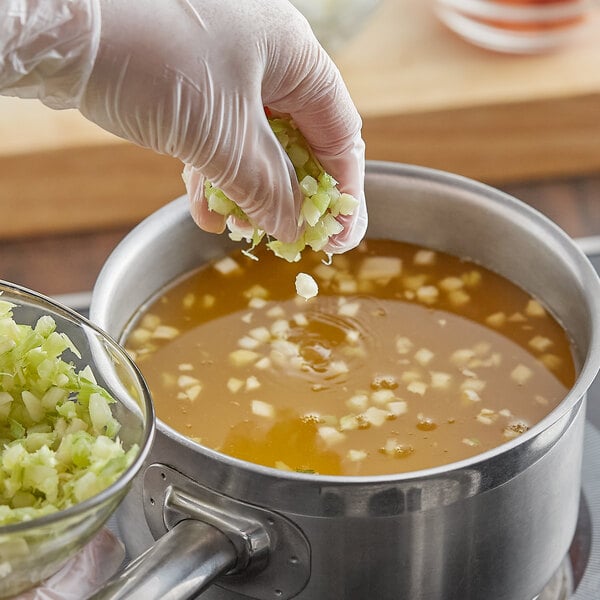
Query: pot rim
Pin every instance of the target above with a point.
(584, 379)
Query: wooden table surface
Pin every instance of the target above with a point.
(70, 263)
(426, 97)
(528, 124)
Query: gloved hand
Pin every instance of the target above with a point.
(190, 78)
(83, 574)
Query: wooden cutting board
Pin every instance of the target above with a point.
(430, 98)
(426, 97)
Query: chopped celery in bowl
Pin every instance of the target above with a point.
(76, 422)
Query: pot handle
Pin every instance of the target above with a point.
(179, 566)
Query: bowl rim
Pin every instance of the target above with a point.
(120, 485)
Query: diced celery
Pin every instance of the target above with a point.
(16, 429)
(290, 252)
(306, 286)
(309, 186)
(53, 397)
(316, 237)
(219, 203)
(6, 345)
(6, 308)
(5, 398)
(33, 405)
(322, 200)
(331, 225)
(345, 204)
(326, 181)
(58, 433)
(34, 441)
(100, 415)
(310, 212)
(45, 326)
(55, 344)
(13, 456)
(87, 374)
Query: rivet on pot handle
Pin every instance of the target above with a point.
(202, 535)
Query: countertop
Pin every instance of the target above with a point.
(529, 125)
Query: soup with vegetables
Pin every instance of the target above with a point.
(407, 358)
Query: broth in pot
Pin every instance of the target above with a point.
(408, 358)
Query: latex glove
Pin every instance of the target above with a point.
(190, 78)
(84, 573)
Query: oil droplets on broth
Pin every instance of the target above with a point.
(406, 359)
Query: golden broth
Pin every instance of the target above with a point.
(406, 359)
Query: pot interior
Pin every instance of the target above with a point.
(416, 205)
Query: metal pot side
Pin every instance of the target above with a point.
(495, 526)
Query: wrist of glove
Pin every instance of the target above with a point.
(190, 78)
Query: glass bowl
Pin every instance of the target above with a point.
(31, 551)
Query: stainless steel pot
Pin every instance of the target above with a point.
(495, 526)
